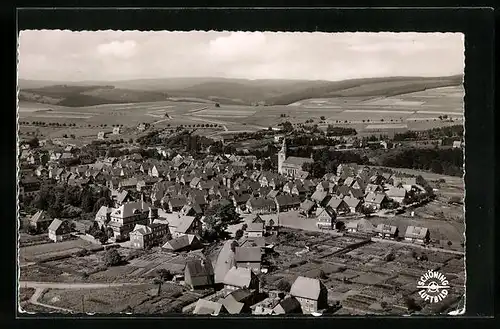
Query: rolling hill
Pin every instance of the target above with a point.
(225, 91)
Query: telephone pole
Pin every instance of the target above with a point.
(83, 303)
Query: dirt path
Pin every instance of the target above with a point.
(38, 293)
(61, 285)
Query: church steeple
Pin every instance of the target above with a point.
(282, 156)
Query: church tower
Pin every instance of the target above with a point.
(282, 157)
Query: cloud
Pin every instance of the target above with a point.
(123, 49)
(114, 55)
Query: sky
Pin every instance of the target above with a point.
(63, 55)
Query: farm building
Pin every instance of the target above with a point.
(353, 203)
(116, 130)
(248, 257)
(385, 231)
(240, 278)
(417, 234)
(287, 202)
(40, 221)
(198, 274)
(261, 206)
(225, 261)
(326, 217)
(101, 135)
(311, 294)
(352, 227)
(59, 230)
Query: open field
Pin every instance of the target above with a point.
(48, 250)
(145, 299)
(366, 114)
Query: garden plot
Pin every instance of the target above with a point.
(48, 250)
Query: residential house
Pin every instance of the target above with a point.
(206, 307)
(239, 301)
(261, 205)
(177, 203)
(183, 243)
(307, 207)
(59, 230)
(339, 206)
(248, 257)
(376, 201)
(385, 231)
(289, 305)
(240, 200)
(352, 227)
(240, 278)
(254, 230)
(310, 293)
(326, 217)
(397, 194)
(354, 204)
(103, 216)
(29, 186)
(40, 221)
(147, 236)
(320, 197)
(124, 218)
(417, 234)
(188, 225)
(225, 260)
(199, 273)
(287, 202)
(373, 188)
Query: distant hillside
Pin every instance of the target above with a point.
(79, 96)
(225, 91)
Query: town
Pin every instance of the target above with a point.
(219, 173)
(228, 233)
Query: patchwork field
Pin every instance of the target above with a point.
(48, 250)
(420, 110)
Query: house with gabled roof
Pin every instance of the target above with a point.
(124, 218)
(376, 201)
(354, 204)
(320, 197)
(59, 230)
(287, 202)
(385, 231)
(40, 221)
(183, 243)
(188, 225)
(199, 273)
(255, 229)
(147, 236)
(338, 205)
(207, 307)
(397, 194)
(248, 257)
(417, 234)
(289, 305)
(239, 301)
(240, 278)
(307, 207)
(310, 293)
(261, 205)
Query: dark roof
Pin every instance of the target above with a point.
(262, 203)
(180, 242)
(248, 254)
(288, 305)
(287, 200)
(198, 267)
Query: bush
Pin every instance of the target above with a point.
(112, 258)
(164, 274)
(389, 257)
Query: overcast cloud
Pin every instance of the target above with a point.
(111, 55)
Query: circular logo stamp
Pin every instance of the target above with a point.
(433, 286)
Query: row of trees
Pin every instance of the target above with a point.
(439, 161)
(61, 200)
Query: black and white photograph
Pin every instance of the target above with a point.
(222, 173)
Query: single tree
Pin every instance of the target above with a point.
(239, 234)
(284, 285)
(112, 258)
